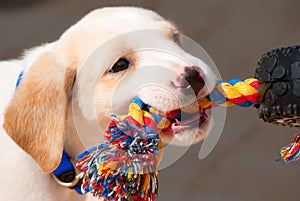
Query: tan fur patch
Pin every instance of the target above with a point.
(36, 117)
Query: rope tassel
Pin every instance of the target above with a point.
(291, 152)
(125, 167)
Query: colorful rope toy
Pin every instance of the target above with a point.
(125, 168)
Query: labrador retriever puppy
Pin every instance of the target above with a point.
(58, 86)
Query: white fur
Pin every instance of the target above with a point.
(21, 178)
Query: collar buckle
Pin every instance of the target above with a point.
(69, 179)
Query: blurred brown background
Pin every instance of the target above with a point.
(235, 33)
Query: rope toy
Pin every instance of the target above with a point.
(125, 168)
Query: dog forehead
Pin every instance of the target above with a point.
(119, 20)
(130, 15)
(106, 23)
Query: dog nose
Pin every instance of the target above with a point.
(192, 77)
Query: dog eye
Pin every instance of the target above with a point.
(120, 65)
(176, 37)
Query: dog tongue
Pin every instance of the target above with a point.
(173, 114)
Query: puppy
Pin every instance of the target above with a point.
(79, 81)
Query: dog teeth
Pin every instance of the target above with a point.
(177, 121)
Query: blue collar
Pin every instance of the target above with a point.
(20, 78)
(66, 173)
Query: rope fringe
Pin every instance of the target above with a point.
(125, 167)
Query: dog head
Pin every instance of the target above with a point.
(139, 41)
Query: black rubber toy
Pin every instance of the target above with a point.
(278, 73)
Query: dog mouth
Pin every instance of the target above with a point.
(187, 120)
(182, 122)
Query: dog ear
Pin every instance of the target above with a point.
(36, 116)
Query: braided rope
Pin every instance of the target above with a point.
(234, 92)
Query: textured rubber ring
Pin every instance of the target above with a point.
(278, 73)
